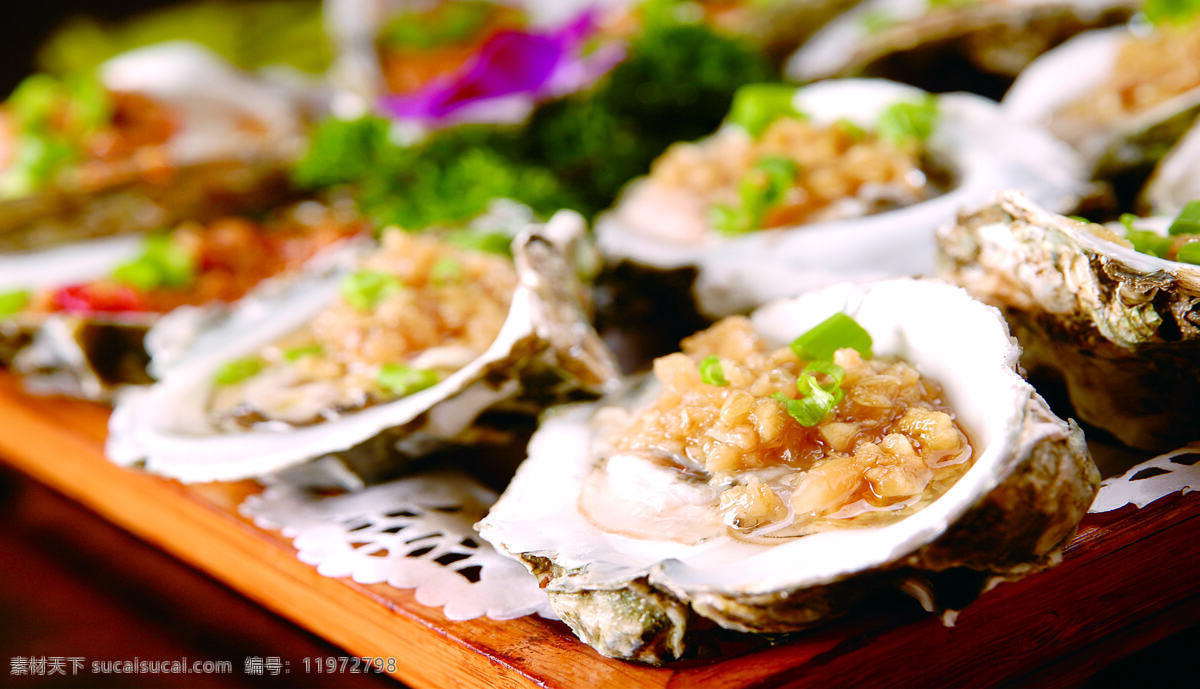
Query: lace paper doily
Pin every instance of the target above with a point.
(413, 533)
(1143, 484)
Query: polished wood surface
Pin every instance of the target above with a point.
(1126, 581)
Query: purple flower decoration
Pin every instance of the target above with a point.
(512, 71)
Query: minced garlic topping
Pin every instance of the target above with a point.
(833, 163)
(415, 311)
(889, 440)
(1149, 70)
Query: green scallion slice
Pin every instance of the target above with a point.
(365, 289)
(445, 271)
(236, 371)
(402, 379)
(834, 333)
(14, 302)
(162, 263)
(1189, 253)
(295, 354)
(756, 106)
(807, 411)
(1149, 242)
(907, 122)
(487, 242)
(1177, 12)
(1188, 220)
(711, 372)
(850, 128)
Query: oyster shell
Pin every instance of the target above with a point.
(1175, 180)
(981, 149)
(1131, 144)
(215, 163)
(546, 330)
(1121, 328)
(642, 599)
(910, 39)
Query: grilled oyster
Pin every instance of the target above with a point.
(878, 220)
(359, 368)
(73, 318)
(1121, 96)
(929, 44)
(636, 542)
(189, 137)
(1120, 327)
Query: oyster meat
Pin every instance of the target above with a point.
(1121, 328)
(387, 355)
(835, 219)
(635, 542)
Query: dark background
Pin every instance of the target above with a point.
(73, 585)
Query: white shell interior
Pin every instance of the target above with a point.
(961, 343)
(984, 150)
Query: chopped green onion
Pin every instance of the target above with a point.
(445, 270)
(488, 242)
(365, 289)
(1177, 12)
(807, 411)
(238, 370)
(14, 301)
(1149, 242)
(876, 20)
(1189, 253)
(162, 263)
(295, 354)
(1188, 220)
(34, 100)
(828, 368)
(850, 128)
(836, 332)
(763, 187)
(402, 379)
(907, 122)
(447, 24)
(779, 173)
(37, 159)
(711, 372)
(1127, 220)
(756, 106)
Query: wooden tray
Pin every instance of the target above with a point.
(1127, 580)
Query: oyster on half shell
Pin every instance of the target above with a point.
(1120, 96)
(228, 137)
(878, 232)
(183, 426)
(642, 598)
(1119, 327)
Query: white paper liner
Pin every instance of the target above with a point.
(412, 533)
(1176, 471)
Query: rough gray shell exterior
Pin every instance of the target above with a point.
(1120, 328)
